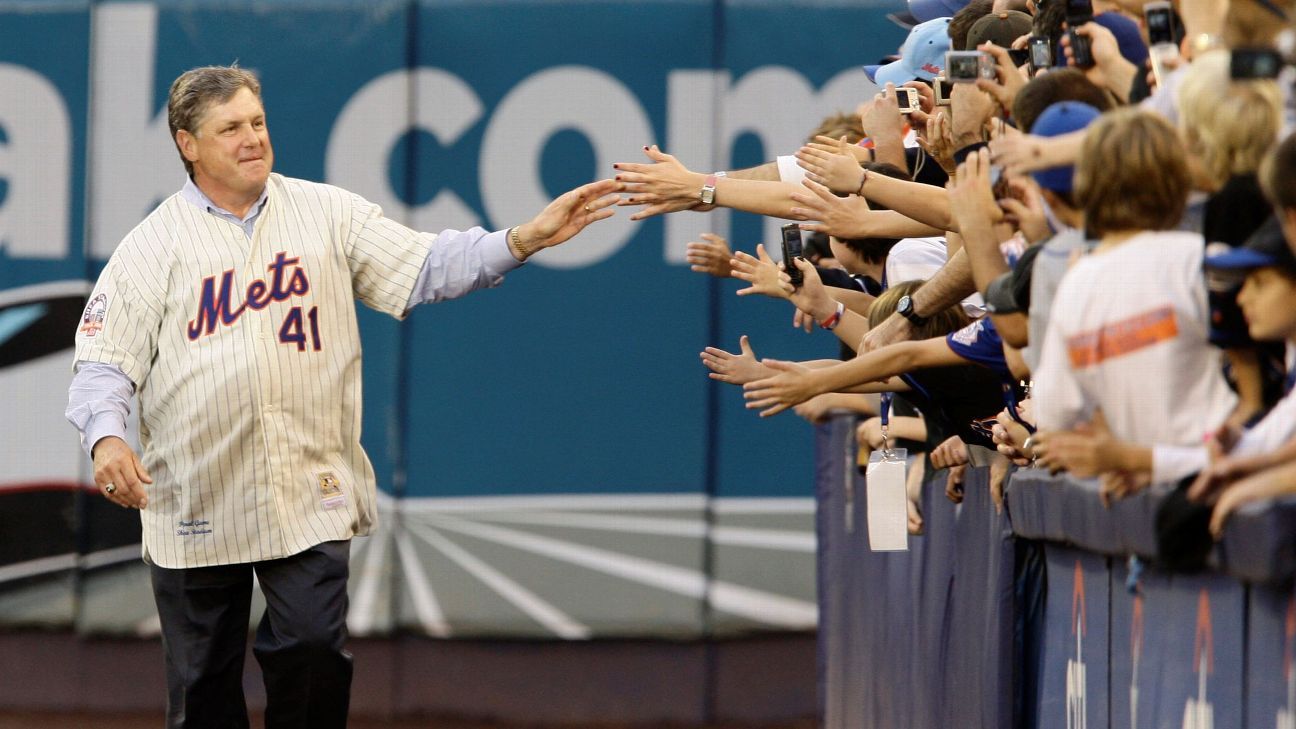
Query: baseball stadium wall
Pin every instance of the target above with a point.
(553, 462)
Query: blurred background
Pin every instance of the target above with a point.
(579, 527)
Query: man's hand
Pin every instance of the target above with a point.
(868, 434)
(792, 385)
(938, 141)
(971, 197)
(950, 453)
(710, 255)
(999, 468)
(1009, 79)
(568, 215)
(882, 119)
(665, 186)
(736, 369)
(954, 483)
(844, 217)
(1010, 437)
(1110, 70)
(926, 96)
(970, 108)
(119, 474)
(1019, 154)
(838, 171)
(894, 328)
(1024, 208)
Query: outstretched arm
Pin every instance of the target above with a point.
(950, 285)
(850, 217)
(665, 185)
(795, 384)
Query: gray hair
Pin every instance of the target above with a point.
(196, 90)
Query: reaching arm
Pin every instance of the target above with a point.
(796, 384)
(850, 217)
(950, 285)
(768, 172)
(1266, 484)
(977, 212)
(926, 204)
(665, 186)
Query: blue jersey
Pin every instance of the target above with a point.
(980, 342)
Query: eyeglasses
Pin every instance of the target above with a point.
(985, 426)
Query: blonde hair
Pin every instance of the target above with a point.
(937, 325)
(1228, 124)
(840, 124)
(1132, 174)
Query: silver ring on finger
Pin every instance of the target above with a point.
(110, 489)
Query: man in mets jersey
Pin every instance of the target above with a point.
(229, 311)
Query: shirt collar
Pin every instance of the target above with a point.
(198, 198)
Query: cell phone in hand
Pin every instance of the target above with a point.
(1041, 53)
(1079, 12)
(1160, 20)
(1081, 51)
(792, 250)
(1254, 63)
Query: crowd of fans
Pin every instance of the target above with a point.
(1074, 251)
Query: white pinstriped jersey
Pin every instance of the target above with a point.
(246, 356)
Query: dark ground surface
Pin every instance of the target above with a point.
(58, 680)
(34, 720)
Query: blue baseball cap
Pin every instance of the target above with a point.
(1266, 247)
(922, 56)
(924, 10)
(1061, 118)
(1128, 37)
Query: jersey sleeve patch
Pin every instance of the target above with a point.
(95, 316)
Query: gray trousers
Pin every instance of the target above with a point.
(299, 641)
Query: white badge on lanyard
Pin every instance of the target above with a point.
(888, 507)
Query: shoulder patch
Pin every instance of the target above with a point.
(95, 313)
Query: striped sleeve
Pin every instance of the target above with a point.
(384, 256)
(394, 268)
(121, 321)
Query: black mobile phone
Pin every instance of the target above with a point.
(1081, 52)
(1159, 17)
(1041, 52)
(792, 249)
(1019, 57)
(1079, 12)
(1254, 63)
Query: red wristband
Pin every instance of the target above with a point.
(831, 322)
